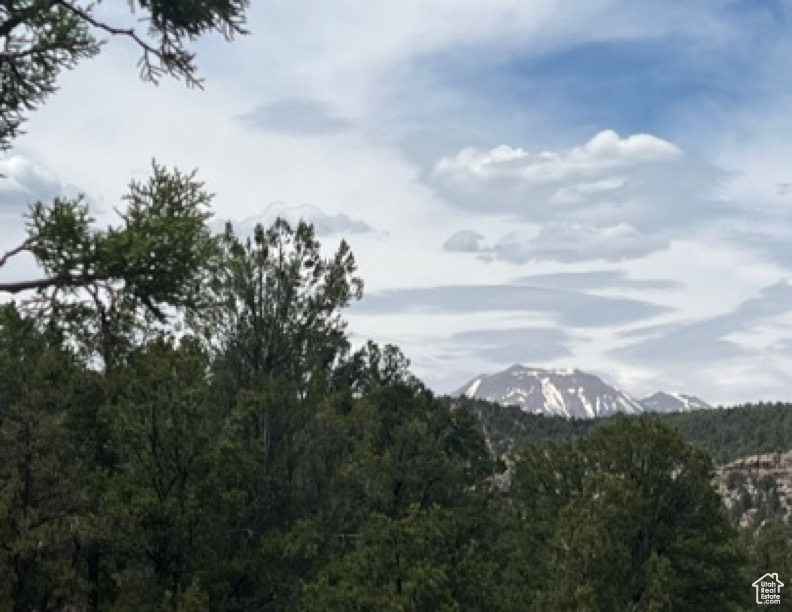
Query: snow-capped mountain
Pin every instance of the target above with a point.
(554, 392)
(672, 402)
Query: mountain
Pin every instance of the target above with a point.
(552, 392)
(672, 402)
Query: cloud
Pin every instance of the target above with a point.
(24, 182)
(598, 279)
(351, 50)
(324, 224)
(742, 355)
(574, 242)
(463, 241)
(354, 107)
(577, 194)
(297, 116)
(711, 339)
(773, 243)
(572, 308)
(618, 187)
(606, 151)
(514, 345)
(560, 241)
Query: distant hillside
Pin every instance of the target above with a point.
(731, 434)
(727, 434)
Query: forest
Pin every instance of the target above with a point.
(186, 425)
(726, 434)
(204, 437)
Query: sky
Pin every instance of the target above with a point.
(602, 185)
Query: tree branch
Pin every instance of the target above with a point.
(61, 282)
(7, 26)
(147, 48)
(13, 252)
(20, 286)
(103, 26)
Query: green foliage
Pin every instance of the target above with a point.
(509, 429)
(637, 524)
(281, 303)
(164, 247)
(731, 434)
(415, 541)
(396, 564)
(771, 551)
(158, 255)
(161, 430)
(42, 507)
(726, 434)
(254, 461)
(41, 38)
(100, 287)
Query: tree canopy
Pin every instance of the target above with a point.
(229, 466)
(158, 257)
(41, 38)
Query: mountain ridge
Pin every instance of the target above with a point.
(569, 393)
(665, 401)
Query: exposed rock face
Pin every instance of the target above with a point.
(757, 488)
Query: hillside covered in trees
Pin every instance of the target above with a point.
(726, 434)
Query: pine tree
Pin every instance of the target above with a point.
(639, 527)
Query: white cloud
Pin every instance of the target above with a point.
(463, 241)
(361, 45)
(610, 198)
(24, 182)
(604, 152)
(608, 148)
(579, 193)
(297, 117)
(574, 242)
(324, 224)
(743, 341)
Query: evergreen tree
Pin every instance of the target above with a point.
(639, 527)
(43, 501)
(771, 552)
(41, 38)
(162, 433)
(419, 473)
(103, 286)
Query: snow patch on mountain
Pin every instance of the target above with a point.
(472, 389)
(663, 401)
(555, 392)
(569, 393)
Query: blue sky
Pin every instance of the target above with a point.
(605, 188)
(627, 85)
